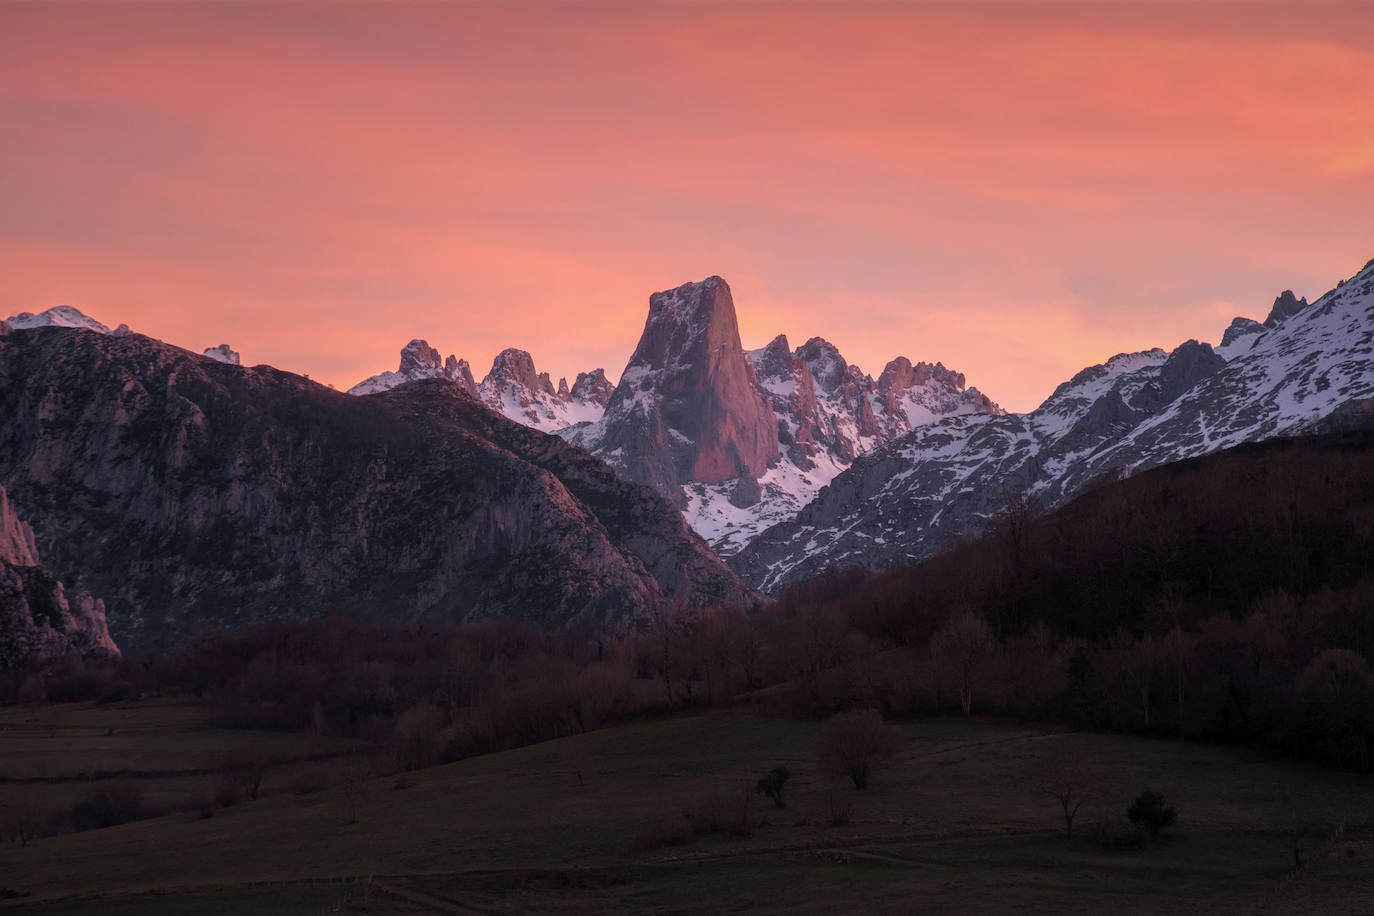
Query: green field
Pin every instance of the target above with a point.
(954, 825)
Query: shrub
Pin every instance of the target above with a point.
(856, 743)
(1152, 812)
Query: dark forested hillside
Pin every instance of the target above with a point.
(1213, 535)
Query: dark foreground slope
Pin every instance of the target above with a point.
(188, 493)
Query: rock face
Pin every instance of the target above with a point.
(190, 495)
(743, 439)
(223, 354)
(39, 623)
(688, 406)
(946, 479)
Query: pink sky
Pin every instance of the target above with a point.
(1016, 190)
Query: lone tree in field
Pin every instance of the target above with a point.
(856, 743)
(1064, 777)
(1152, 811)
(772, 784)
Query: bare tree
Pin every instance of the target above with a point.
(962, 646)
(856, 743)
(1064, 777)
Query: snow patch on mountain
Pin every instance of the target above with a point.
(223, 354)
(61, 316)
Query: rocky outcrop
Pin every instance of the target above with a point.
(1286, 305)
(39, 623)
(688, 406)
(191, 495)
(1240, 328)
(592, 388)
(419, 361)
(513, 387)
(224, 354)
(946, 479)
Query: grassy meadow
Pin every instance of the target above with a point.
(605, 822)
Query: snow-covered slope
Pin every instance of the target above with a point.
(907, 499)
(828, 412)
(61, 316)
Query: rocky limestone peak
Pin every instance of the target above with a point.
(418, 356)
(223, 354)
(563, 393)
(708, 420)
(592, 388)
(1190, 363)
(828, 368)
(516, 367)
(776, 359)
(1285, 305)
(458, 370)
(16, 538)
(1240, 327)
(900, 374)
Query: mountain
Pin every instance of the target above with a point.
(739, 440)
(39, 623)
(192, 494)
(513, 387)
(1305, 367)
(61, 316)
(66, 316)
(743, 439)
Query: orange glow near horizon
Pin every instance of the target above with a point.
(1017, 190)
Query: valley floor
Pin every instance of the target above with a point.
(954, 825)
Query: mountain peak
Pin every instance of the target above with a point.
(516, 367)
(592, 388)
(418, 356)
(1285, 306)
(59, 316)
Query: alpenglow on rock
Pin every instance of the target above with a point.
(192, 495)
(909, 498)
(688, 406)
